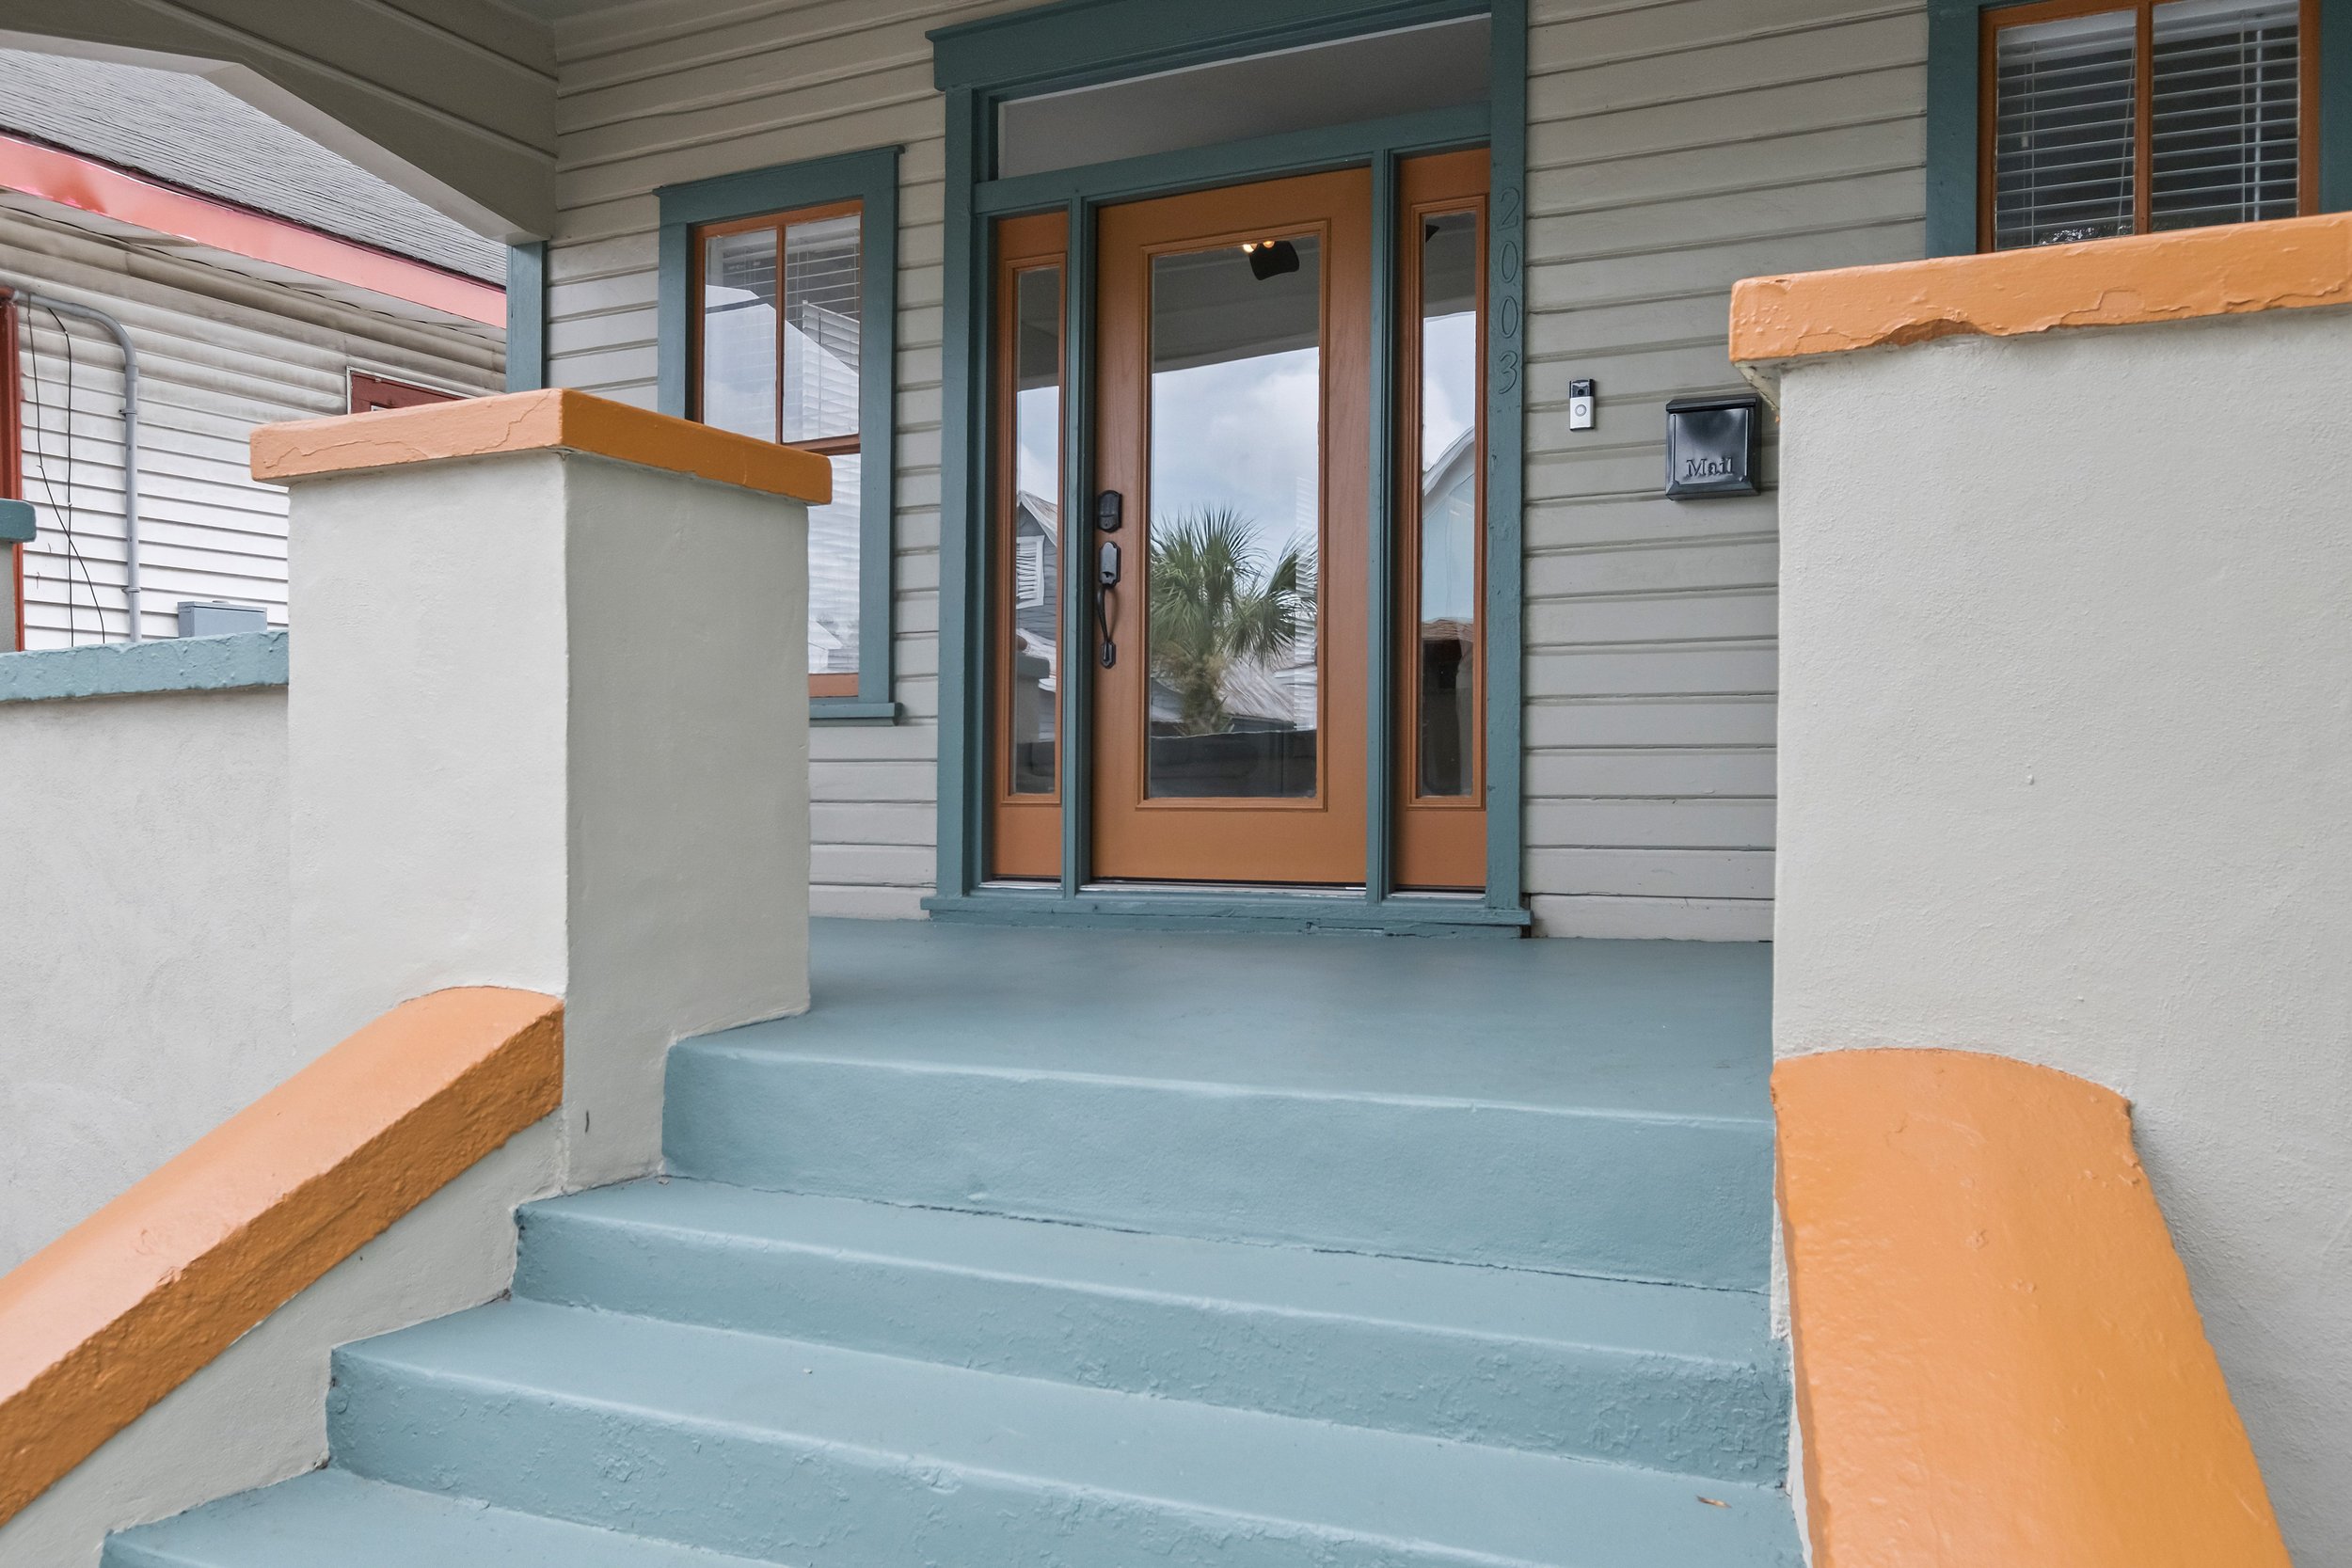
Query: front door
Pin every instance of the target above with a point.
(1229, 726)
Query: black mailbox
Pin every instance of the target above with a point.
(1715, 446)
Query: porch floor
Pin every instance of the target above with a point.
(1679, 1029)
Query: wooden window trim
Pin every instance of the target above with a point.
(833, 684)
(1996, 20)
(1024, 837)
(1441, 840)
(870, 176)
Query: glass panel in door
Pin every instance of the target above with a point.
(1237, 519)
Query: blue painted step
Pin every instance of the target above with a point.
(332, 1519)
(1656, 1196)
(793, 1453)
(1665, 1376)
(1084, 1249)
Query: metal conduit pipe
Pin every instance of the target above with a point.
(130, 438)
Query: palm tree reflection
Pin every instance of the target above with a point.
(1226, 622)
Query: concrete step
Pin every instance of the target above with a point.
(1665, 1376)
(801, 1453)
(1647, 1195)
(333, 1519)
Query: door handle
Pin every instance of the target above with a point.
(1105, 578)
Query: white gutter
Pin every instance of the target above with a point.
(130, 438)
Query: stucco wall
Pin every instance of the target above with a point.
(557, 793)
(2066, 755)
(143, 938)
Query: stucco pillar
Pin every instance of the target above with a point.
(547, 726)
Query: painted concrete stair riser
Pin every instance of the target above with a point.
(1677, 1198)
(799, 1454)
(333, 1519)
(1666, 1376)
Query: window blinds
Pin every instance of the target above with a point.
(819, 395)
(2222, 86)
(2226, 119)
(2066, 132)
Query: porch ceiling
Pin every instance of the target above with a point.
(455, 104)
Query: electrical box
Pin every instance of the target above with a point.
(1715, 446)
(16, 522)
(211, 618)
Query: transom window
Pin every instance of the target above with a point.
(2102, 120)
(777, 356)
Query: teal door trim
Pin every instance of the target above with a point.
(1955, 30)
(1231, 163)
(1077, 694)
(1380, 541)
(871, 178)
(978, 66)
(963, 546)
(1506, 452)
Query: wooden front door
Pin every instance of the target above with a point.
(1229, 726)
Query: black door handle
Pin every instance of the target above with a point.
(1106, 578)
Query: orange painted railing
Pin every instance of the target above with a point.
(1998, 1361)
(123, 1309)
(554, 419)
(2290, 263)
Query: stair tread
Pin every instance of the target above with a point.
(942, 1422)
(332, 1518)
(1495, 1303)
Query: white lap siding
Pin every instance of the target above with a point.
(219, 354)
(1675, 147)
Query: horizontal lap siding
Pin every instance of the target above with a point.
(219, 355)
(1674, 148)
(663, 93)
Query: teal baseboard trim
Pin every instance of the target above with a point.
(1231, 912)
(851, 711)
(138, 669)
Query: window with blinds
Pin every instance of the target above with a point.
(777, 356)
(2128, 120)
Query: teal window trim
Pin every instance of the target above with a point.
(527, 316)
(870, 178)
(978, 66)
(1954, 34)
